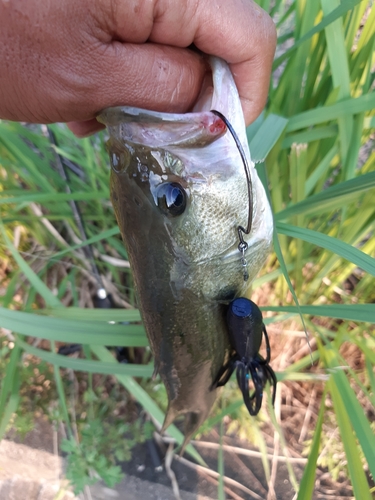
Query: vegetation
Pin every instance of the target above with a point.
(314, 147)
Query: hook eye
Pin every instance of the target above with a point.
(171, 199)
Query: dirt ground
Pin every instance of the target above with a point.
(31, 471)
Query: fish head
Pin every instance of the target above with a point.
(180, 181)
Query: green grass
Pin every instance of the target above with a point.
(310, 145)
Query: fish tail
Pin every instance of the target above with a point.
(155, 372)
(184, 444)
(193, 420)
(171, 414)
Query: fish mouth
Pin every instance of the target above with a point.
(160, 130)
(219, 93)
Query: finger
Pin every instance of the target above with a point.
(238, 31)
(85, 128)
(151, 76)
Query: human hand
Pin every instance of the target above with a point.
(64, 61)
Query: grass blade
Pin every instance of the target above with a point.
(356, 472)
(307, 484)
(340, 109)
(83, 332)
(220, 468)
(280, 257)
(353, 312)
(104, 235)
(55, 197)
(93, 315)
(335, 245)
(9, 410)
(331, 198)
(9, 383)
(89, 366)
(266, 137)
(34, 279)
(356, 415)
(344, 7)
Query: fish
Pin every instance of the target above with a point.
(179, 191)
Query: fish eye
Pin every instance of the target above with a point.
(171, 198)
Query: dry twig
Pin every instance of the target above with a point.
(215, 474)
(172, 476)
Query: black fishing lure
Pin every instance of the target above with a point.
(246, 329)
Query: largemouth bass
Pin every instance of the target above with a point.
(179, 191)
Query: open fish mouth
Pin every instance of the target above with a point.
(180, 192)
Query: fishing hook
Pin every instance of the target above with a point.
(242, 246)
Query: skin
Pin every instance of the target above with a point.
(64, 61)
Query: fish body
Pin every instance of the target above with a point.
(179, 191)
